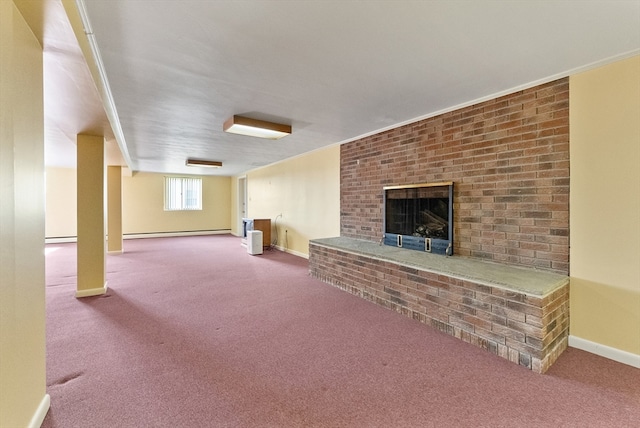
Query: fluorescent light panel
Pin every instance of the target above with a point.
(256, 128)
(203, 163)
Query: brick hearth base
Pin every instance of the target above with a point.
(518, 314)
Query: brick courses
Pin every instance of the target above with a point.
(509, 160)
(528, 330)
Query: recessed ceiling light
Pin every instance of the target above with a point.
(203, 163)
(256, 128)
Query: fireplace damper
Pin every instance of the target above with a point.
(419, 217)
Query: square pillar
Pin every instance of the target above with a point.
(91, 216)
(114, 209)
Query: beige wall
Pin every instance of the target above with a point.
(61, 202)
(22, 312)
(143, 206)
(605, 205)
(235, 228)
(306, 191)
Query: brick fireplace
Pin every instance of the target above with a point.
(509, 160)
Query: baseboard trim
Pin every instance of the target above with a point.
(41, 412)
(61, 240)
(605, 351)
(92, 292)
(65, 239)
(295, 253)
(172, 234)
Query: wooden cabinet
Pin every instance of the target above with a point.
(265, 226)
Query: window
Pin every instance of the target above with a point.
(182, 193)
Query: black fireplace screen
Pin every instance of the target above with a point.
(419, 211)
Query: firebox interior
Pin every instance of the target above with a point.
(419, 217)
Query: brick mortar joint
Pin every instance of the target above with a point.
(471, 337)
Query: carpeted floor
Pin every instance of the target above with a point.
(194, 332)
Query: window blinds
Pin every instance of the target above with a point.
(181, 193)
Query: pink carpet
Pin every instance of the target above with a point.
(194, 332)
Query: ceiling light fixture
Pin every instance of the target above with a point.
(256, 128)
(203, 163)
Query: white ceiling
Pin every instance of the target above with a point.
(334, 70)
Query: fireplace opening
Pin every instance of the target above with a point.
(419, 217)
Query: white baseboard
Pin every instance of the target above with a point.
(172, 234)
(41, 412)
(145, 235)
(295, 253)
(61, 240)
(614, 354)
(92, 292)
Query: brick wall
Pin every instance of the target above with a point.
(509, 160)
(531, 331)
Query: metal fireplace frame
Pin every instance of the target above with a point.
(431, 245)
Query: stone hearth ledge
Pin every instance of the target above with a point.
(520, 314)
(524, 280)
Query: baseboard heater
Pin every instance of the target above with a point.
(62, 239)
(181, 233)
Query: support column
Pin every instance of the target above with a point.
(114, 209)
(91, 217)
